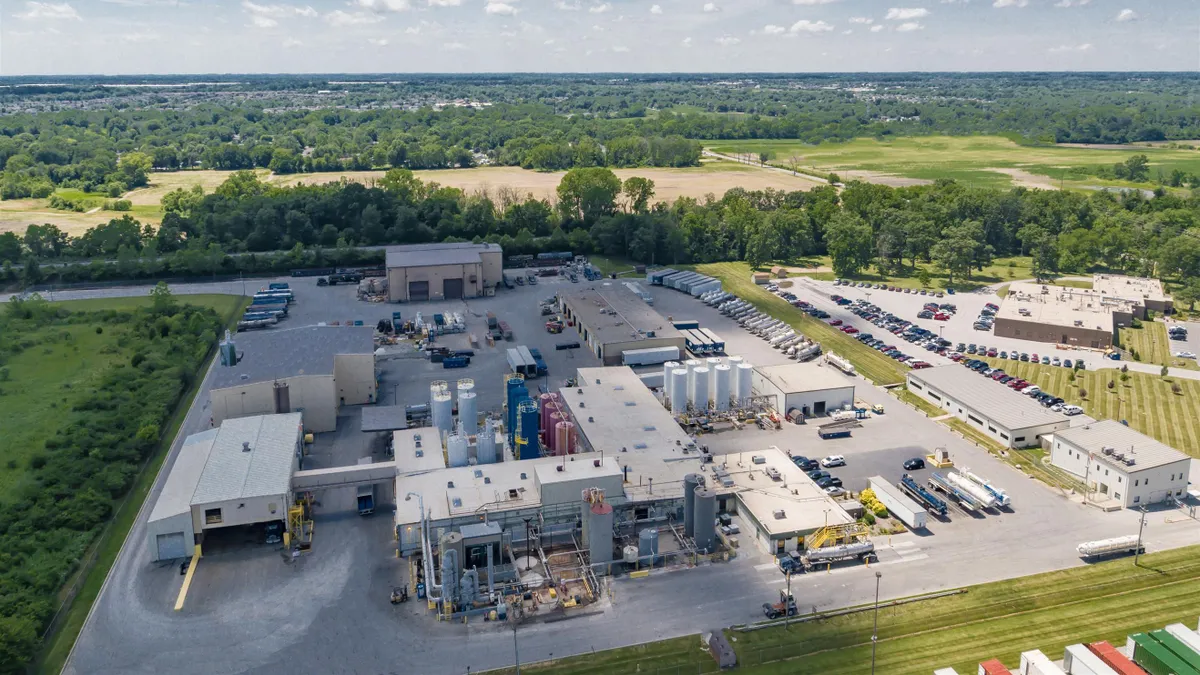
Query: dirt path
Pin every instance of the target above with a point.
(1022, 178)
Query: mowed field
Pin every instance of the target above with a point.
(978, 161)
(711, 177)
(1105, 601)
(1146, 401)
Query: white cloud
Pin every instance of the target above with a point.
(598, 29)
(847, 31)
(711, 7)
(620, 48)
(55, 11)
(549, 42)
(909, 26)
(906, 13)
(383, 5)
(806, 26)
(260, 21)
(500, 8)
(865, 20)
(1010, 3)
(1072, 3)
(147, 3)
(1127, 15)
(600, 9)
(772, 29)
(813, 2)
(727, 41)
(567, 6)
(339, 18)
(289, 43)
(278, 11)
(1070, 48)
(445, 3)
(141, 37)
(378, 42)
(412, 30)
(955, 2)
(655, 9)
(876, 28)
(453, 46)
(686, 42)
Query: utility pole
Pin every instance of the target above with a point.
(875, 630)
(516, 654)
(787, 603)
(1138, 551)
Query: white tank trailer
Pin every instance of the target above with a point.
(1002, 498)
(858, 549)
(986, 499)
(1116, 545)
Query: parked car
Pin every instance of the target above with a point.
(833, 460)
(829, 481)
(1072, 410)
(818, 474)
(914, 464)
(835, 491)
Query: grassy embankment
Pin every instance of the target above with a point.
(976, 161)
(735, 278)
(1106, 601)
(1001, 271)
(106, 547)
(1152, 345)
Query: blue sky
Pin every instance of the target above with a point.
(245, 36)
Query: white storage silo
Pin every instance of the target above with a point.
(458, 450)
(468, 413)
(441, 407)
(667, 368)
(733, 361)
(744, 382)
(699, 390)
(721, 387)
(485, 443)
(679, 378)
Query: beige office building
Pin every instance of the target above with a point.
(443, 271)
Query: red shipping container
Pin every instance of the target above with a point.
(1115, 659)
(993, 667)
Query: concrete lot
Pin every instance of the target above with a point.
(251, 611)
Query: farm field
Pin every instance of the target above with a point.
(978, 161)
(42, 379)
(1105, 601)
(1146, 401)
(735, 278)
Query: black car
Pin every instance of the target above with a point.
(818, 475)
(806, 464)
(829, 481)
(914, 464)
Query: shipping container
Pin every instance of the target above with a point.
(1034, 662)
(1079, 660)
(1185, 635)
(898, 504)
(993, 667)
(1155, 658)
(1115, 659)
(1178, 648)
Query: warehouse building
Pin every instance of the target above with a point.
(810, 388)
(447, 271)
(314, 370)
(1011, 419)
(1148, 293)
(1121, 464)
(237, 475)
(1078, 317)
(611, 319)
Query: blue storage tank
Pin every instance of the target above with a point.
(528, 412)
(515, 396)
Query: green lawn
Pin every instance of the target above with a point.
(610, 265)
(1105, 601)
(735, 278)
(1145, 400)
(108, 544)
(919, 403)
(1152, 345)
(978, 161)
(1002, 270)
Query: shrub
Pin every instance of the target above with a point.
(868, 518)
(1176, 389)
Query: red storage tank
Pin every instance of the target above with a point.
(993, 667)
(1115, 659)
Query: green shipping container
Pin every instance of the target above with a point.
(1178, 648)
(1157, 659)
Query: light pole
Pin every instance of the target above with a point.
(1138, 551)
(787, 603)
(875, 630)
(516, 653)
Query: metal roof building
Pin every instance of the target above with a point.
(1120, 463)
(446, 271)
(810, 388)
(1011, 418)
(314, 369)
(612, 319)
(238, 474)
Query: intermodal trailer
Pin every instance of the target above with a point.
(656, 277)
(1078, 660)
(1156, 659)
(993, 667)
(1178, 648)
(1115, 659)
(1034, 662)
(1185, 635)
(717, 343)
(696, 342)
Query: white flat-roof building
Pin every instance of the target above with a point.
(1008, 417)
(811, 388)
(1120, 463)
(311, 369)
(238, 474)
(1149, 292)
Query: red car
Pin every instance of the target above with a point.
(920, 364)
(941, 316)
(835, 322)
(1033, 358)
(992, 352)
(850, 330)
(956, 357)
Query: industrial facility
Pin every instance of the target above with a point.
(1082, 317)
(314, 370)
(809, 388)
(1013, 420)
(447, 271)
(1148, 293)
(1120, 464)
(612, 319)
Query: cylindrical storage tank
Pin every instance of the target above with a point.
(721, 387)
(710, 363)
(733, 361)
(547, 403)
(679, 386)
(442, 408)
(631, 554)
(668, 368)
(648, 546)
(699, 392)
(529, 430)
(458, 450)
(691, 483)
(691, 365)
(706, 520)
(600, 533)
(468, 413)
(744, 382)
(551, 431)
(564, 438)
(485, 444)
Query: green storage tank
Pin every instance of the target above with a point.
(1178, 648)
(1157, 659)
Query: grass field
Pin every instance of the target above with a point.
(1145, 401)
(1001, 271)
(108, 545)
(1152, 345)
(735, 278)
(1105, 601)
(978, 161)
